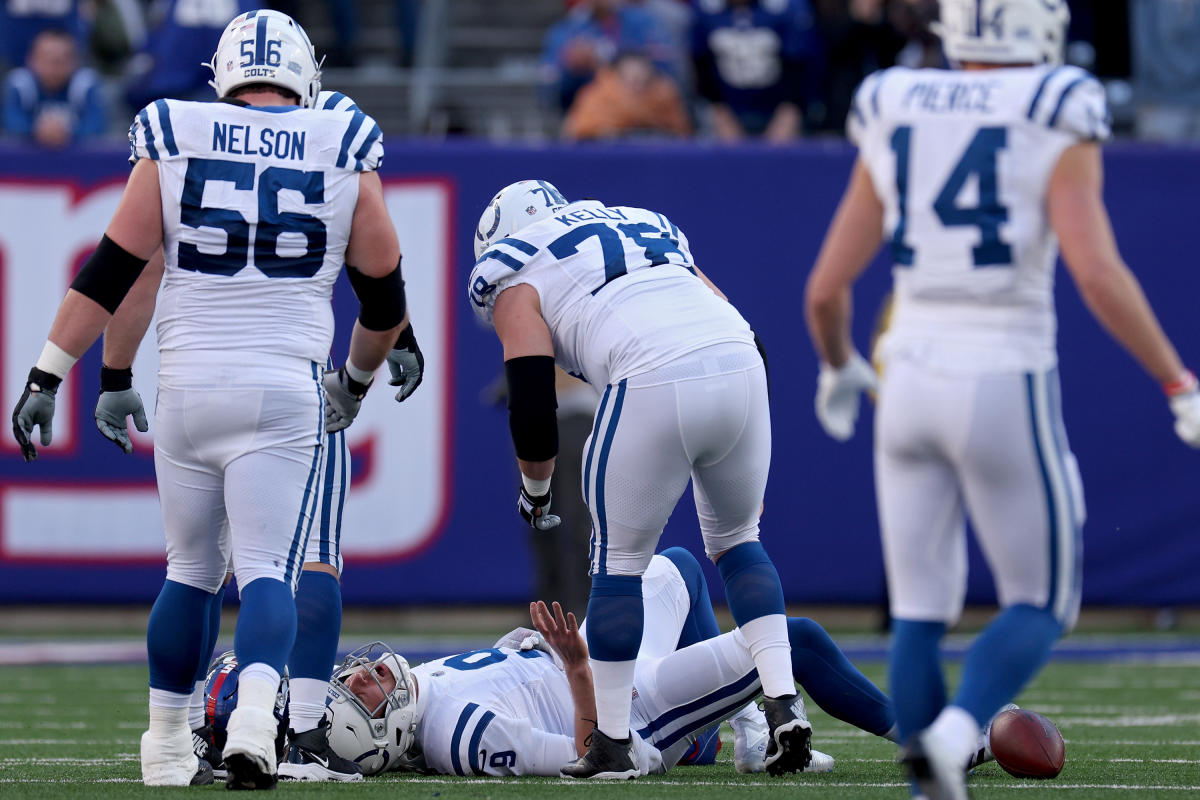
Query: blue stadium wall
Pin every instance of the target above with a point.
(755, 217)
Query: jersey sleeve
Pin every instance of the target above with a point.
(864, 108)
(152, 135)
(498, 268)
(335, 101)
(475, 740)
(362, 144)
(1071, 100)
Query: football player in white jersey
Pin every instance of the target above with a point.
(257, 204)
(613, 296)
(524, 708)
(318, 591)
(975, 177)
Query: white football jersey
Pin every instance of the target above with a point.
(961, 161)
(500, 712)
(257, 207)
(617, 287)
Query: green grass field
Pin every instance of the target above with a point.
(1132, 730)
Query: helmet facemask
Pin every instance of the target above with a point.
(376, 737)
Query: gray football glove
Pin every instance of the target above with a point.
(839, 394)
(529, 506)
(35, 408)
(406, 364)
(343, 398)
(117, 401)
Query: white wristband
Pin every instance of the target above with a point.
(55, 360)
(361, 375)
(534, 487)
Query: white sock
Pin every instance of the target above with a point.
(768, 642)
(258, 684)
(196, 707)
(306, 703)
(169, 714)
(748, 713)
(957, 731)
(614, 696)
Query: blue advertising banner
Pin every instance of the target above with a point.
(431, 517)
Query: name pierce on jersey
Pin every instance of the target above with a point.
(242, 140)
(953, 97)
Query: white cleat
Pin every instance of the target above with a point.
(983, 748)
(250, 748)
(169, 761)
(936, 774)
(750, 737)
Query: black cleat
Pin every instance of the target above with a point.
(204, 774)
(246, 772)
(607, 759)
(310, 758)
(205, 747)
(790, 746)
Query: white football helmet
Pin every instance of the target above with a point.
(266, 46)
(1003, 31)
(376, 738)
(514, 207)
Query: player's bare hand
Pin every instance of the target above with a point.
(560, 631)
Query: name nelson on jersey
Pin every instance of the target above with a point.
(269, 142)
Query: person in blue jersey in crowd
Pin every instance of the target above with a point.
(591, 36)
(174, 62)
(53, 102)
(753, 64)
(22, 20)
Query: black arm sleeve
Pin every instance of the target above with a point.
(109, 274)
(531, 407)
(382, 302)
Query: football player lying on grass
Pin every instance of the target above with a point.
(526, 707)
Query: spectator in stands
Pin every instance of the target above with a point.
(1166, 68)
(178, 49)
(590, 36)
(912, 18)
(751, 59)
(858, 41)
(21, 21)
(52, 101)
(630, 97)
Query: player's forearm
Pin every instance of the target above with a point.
(583, 695)
(537, 470)
(79, 322)
(828, 321)
(125, 331)
(369, 349)
(1116, 299)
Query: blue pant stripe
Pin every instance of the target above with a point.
(601, 517)
(308, 505)
(748, 683)
(587, 468)
(1061, 522)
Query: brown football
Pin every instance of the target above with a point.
(1027, 745)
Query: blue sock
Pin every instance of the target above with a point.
(700, 622)
(176, 635)
(214, 630)
(615, 617)
(752, 586)
(1008, 653)
(915, 678)
(833, 683)
(318, 625)
(266, 625)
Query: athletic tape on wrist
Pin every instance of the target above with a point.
(361, 375)
(535, 487)
(55, 360)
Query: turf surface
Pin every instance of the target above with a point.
(1132, 730)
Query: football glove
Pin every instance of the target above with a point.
(1184, 398)
(529, 506)
(838, 395)
(343, 398)
(406, 364)
(35, 408)
(527, 639)
(117, 401)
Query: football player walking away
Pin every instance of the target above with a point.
(613, 296)
(245, 325)
(318, 592)
(975, 176)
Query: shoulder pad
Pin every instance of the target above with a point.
(151, 134)
(362, 143)
(1071, 100)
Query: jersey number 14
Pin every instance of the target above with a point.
(979, 159)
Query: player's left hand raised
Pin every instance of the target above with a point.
(35, 408)
(406, 364)
(560, 632)
(838, 395)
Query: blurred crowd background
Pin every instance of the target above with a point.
(75, 71)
